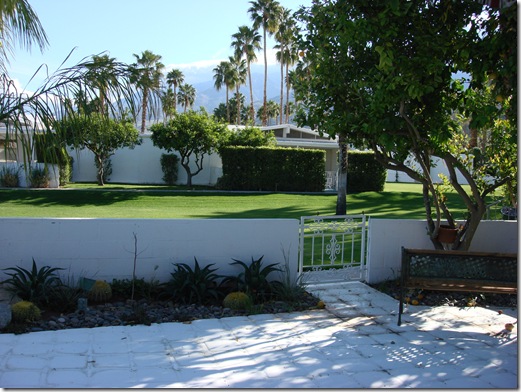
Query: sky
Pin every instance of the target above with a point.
(192, 35)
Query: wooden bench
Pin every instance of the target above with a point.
(457, 271)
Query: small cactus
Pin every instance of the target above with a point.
(100, 291)
(237, 300)
(25, 311)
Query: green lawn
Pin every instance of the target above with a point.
(131, 201)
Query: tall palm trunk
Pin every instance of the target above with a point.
(227, 105)
(281, 87)
(265, 103)
(287, 93)
(144, 110)
(238, 105)
(252, 109)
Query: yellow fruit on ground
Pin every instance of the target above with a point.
(509, 326)
(321, 304)
(415, 302)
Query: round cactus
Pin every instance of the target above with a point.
(25, 311)
(237, 300)
(100, 291)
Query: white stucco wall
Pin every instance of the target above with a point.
(141, 165)
(104, 248)
(438, 167)
(387, 236)
(54, 173)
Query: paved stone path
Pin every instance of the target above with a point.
(353, 343)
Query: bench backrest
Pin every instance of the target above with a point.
(462, 265)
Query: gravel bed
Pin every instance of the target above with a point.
(145, 312)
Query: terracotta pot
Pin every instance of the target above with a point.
(447, 234)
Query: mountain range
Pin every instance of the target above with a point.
(208, 97)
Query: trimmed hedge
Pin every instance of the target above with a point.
(272, 169)
(169, 164)
(49, 150)
(364, 173)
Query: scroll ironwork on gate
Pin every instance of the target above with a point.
(333, 248)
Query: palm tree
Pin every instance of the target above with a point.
(287, 54)
(101, 76)
(147, 72)
(265, 13)
(19, 23)
(174, 78)
(186, 95)
(169, 103)
(220, 77)
(245, 43)
(272, 111)
(237, 74)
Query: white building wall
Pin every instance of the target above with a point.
(387, 236)
(438, 167)
(54, 173)
(104, 248)
(142, 165)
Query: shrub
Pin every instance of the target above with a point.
(272, 169)
(237, 300)
(50, 149)
(287, 289)
(364, 173)
(169, 165)
(197, 285)
(142, 289)
(34, 285)
(254, 279)
(39, 178)
(25, 311)
(10, 177)
(100, 291)
(64, 298)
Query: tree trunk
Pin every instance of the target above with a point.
(341, 202)
(287, 93)
(188, 174)
(144, 110)
(252, 109)
(227, 105)
(238, 105)
(281, 91)
(101, 170)
(265, 104)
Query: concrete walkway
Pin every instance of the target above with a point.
(353, 343)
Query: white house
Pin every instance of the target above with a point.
(141, 165)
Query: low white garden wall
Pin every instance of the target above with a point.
(104, 248)
(387, 236)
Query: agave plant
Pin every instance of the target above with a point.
(254, 279)
(33, 285)
(197, 285)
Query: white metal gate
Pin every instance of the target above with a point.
(333, 248)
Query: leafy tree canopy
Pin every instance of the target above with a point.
(193, 135)
(382, 75)
(100, 135)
